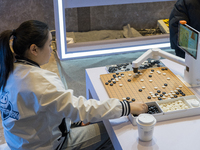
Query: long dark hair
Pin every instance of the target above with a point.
(28, 33)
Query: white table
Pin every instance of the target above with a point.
(177, 134)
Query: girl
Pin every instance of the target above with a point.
(36, 109)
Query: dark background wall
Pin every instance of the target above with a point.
(138, 15)
(14, 12)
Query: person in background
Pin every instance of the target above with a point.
(36, 110)
(188, 10)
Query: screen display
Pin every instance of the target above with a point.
(188, 40)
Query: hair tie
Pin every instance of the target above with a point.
(13, 32)
(11, 41)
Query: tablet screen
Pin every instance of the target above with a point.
(188, 40)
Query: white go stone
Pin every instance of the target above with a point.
(166, 94)
(175, 91)
(155, 88)
(122, 75)
(119, 78)
(163, 87)
(140, 73)
(143, 87)
(120, 84)
(151, 92)
(142, 80)
(123, 98)
(164, 74)
(154, 96)
(129, 75)
(116, 79)
(180, 86)
(177, 88)
(122, 69)
(150, 80)
(168, 78)
(151, 72)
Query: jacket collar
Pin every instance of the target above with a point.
(24, 60)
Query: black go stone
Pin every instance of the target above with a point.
(165, 84)
(129, 80)
(114, 76)
(133, 99)
(152, 109)
(122, 74)
(114, 82)
(117, 73)
(109, 81)
(177, 93)
(138, 72)
(183, 94)
(159, 98)
(166, 68)
(175, 96)
(119, 76)
(128, 98)
(161, 95)
(111, 84)
(156, 94)
(150, 112)
(150, 76)
(106, 83)
(158, 91)
(164, 92)
(140, 90)
(163, 69)
(149, 97)
(152, 70)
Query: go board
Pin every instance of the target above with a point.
(145, 86)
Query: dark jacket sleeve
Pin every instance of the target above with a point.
(179, 12)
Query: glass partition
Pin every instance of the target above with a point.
(104, 25)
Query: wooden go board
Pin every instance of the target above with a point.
(160, 76)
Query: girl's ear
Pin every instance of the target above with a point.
(34, 49)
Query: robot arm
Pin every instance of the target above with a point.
(156, 54)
